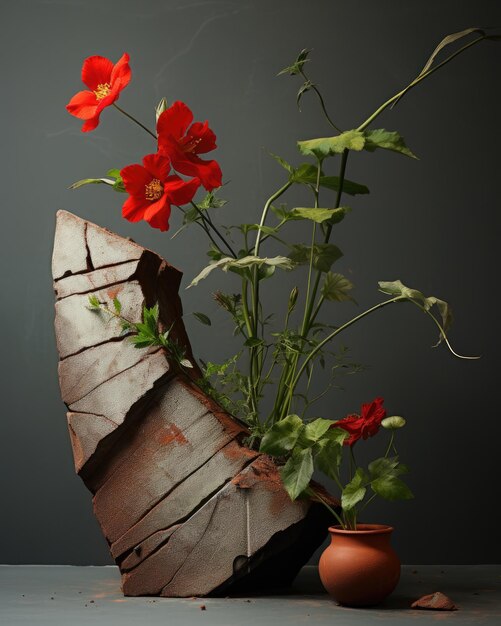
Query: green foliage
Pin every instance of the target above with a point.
(306, 174)
(324, 255)
(115, 181)
(336, 287)
(237, 265)
(397, 288)
(297, 66)
(355, 490)
(297, 472)
(282, 436)
(227, 385)
(318, 215)
(387, 140)
(328, 146)
(202, 318)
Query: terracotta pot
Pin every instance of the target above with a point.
(360, 568)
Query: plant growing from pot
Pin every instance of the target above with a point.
(278, 359)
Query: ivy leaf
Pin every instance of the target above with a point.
(328, 146)
(328, 456)
(306, 174)
(282, 436)
(390, 487)
(313, 431)
(336, 288)
(324, 255)
(319, 215)
(228, 263)
(388, 140)
(397, 288)
(354, 492)
(297, 66)
(203, 319)
(383, 466)
(306, 86)
(297, 472)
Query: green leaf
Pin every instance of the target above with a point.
(393, 422)
(203, 319)
(324, 255)
(319, 215)
(114, 173)
(282, 436)
(297, 66)
(91, 181)
(94, 302)
(388, 140)
(328, 457)
(306, 174)
(142, 341)
(328, 146)
(228, 263)
(336, 287)
(397, 288)
(253, 342)
(211, 201)
(117, 306)
(282, 162)
(297, 472)
(315, 430)
(390, 487)
(383, 466)
(306, 86)
(354, 492)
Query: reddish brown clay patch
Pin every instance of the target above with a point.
(172, 434)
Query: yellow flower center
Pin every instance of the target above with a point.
(153, 190)
(102, 90)
(191, 144)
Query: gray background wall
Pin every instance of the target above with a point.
(434, 223)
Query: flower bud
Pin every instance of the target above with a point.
(161, 107)
(293, 299)
(393, 422)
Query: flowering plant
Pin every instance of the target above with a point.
(281, 358)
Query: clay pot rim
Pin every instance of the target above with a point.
(363, 529)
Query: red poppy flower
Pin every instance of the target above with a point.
(183, 143)
(105, 82)
(364, 425)
(152, 191)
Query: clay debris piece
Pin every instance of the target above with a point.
(187, 509)
(436, 601)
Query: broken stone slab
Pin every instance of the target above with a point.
(186, 507)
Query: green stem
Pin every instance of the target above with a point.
(322, 103)
(415, 82)
(390, 444)
(135, 121)
(317, 495)
(210, 224)
(319, 346)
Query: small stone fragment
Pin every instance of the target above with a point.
(203, 607)
(435, 601)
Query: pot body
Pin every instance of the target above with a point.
(360, 568)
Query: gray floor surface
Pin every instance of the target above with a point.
(37, 595)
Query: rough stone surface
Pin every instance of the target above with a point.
(186, 508)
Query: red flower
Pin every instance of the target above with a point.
(105, 82)
(364, 425)
(152, 191)
(183, 143)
